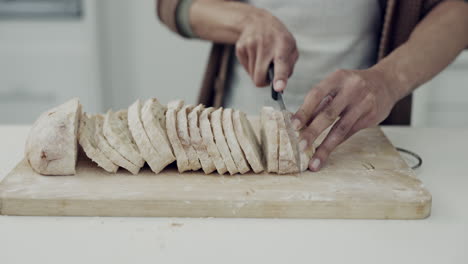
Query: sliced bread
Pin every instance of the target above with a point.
(171, 125)
(154, 122)
(233, 144)
(304, 156)
(269, 136)
(197, 140)
(184, 136)
(88, 141)
(112, 154)
(286, 156)
(117, 133)
(220, 140)
(147, 151)
(209, 140)
(248, 141)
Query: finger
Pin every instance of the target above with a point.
(360, 124)
(338, 134)
(312, 100)
(252, 55)
(242, 57)
(283, 69)
(369, 119)
(324, 103)
(324, 119)
(294, 59)
(262, 63)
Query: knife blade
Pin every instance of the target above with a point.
(278, 97)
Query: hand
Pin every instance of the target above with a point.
(263, 40)
(359, 98)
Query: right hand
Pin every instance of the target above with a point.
(265, 40)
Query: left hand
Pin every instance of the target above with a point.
(359, 98)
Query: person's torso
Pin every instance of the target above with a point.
(330, 35)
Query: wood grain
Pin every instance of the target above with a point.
(365, 178)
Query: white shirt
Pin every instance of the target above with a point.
(330, 35)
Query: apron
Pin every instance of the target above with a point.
(330, 35)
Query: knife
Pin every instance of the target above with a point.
(278, 97)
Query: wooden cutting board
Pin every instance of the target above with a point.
(364, 178)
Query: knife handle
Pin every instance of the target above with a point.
(271, 77)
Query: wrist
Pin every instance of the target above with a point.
(252, 16)
(397, 82)
(221, 21)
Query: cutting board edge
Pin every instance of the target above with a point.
(232, 209)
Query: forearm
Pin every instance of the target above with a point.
(433, 45)
(221, 21)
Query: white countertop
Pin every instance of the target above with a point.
(442, 238)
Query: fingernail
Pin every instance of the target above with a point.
(302, 145)
(279, 85)
(296, 124)
(315, 164)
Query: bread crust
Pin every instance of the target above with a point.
(197, 141)
(51, 147)
(209, 141)
(248, 141)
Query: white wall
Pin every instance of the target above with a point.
(444, 100)
(143, 59)
(44, 62)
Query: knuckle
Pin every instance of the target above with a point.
(301, 114)
(316, 93)
(329, 114)
(372, 115)
(310, 134)
(281, 59)
(323, 151)
(340, 73)
(250, 42)
(240, 47)
(258, 39)
(371, 101)
(356, 83)
(342, 129)
(258, 80)
(286, 43)
(240, 54)
(285, 39)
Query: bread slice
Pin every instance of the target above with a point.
(304, 156)
(147, 151)
(88, 141)
(184, 136)
(287, 146)
(171, 125)
(209, 141)
(231, 139)
(269, 136)
(248, 141)
(197, 141)
(220, 140)
(117, 133)
(112, 154)
(51, 146)
(154, 122)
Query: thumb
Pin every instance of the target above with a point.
(282, 72)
